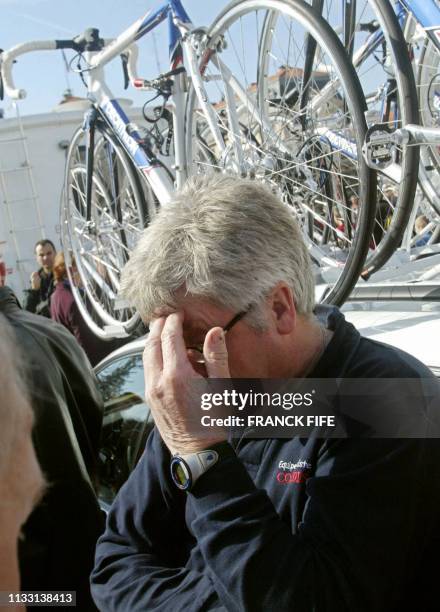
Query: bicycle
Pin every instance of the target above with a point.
(421, 25)
(402, 101)
(425, 18)
(371, 32)
(299, 128)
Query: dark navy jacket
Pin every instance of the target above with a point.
(356, 529)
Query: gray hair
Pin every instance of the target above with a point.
(222, 238)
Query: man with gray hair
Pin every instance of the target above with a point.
(224, 280)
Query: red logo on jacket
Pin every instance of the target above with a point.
(293, 472)
(292, 477)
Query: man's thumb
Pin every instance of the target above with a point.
(216, 354)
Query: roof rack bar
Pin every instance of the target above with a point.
(424, 292)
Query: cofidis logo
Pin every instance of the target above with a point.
(293, 472)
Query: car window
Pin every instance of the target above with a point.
(126, 424)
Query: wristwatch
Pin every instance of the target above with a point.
(186, 469)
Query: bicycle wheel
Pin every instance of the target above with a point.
(428, 83)
(287, 109)
(101, 245)
(373, 36)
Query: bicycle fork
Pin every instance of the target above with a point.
(89, 128)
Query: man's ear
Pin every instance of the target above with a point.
(282, 306)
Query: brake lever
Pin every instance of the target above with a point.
(2, 88)
(124, 59)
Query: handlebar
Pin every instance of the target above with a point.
(8, 58)
(88, 41)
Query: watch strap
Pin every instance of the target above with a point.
(192, 466)
(200, 462)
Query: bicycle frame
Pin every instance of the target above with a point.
(181, 53)
(427, 14)
(110, 110)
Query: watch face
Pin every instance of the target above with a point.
(180, 473)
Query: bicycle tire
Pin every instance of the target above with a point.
(282, 159)
(390, 233)
(427, 76)
(102, 245)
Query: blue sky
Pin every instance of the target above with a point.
(43, 74)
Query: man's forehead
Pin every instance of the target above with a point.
(199, 313)
(44, 250)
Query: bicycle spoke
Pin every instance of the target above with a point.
(102, 244)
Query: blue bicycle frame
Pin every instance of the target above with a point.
(427, 13)
(107, 107)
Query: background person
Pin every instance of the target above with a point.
(56, 552)
(21, 480)
(419, 226)
(64, 310)
(42, 284)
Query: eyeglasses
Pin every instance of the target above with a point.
(198, 349)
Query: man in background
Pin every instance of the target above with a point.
(42, 283)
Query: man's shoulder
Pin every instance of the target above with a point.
(46, 333)
(378, 359)
(352, 355)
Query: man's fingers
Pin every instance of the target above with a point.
(216, 354)
(152, 357)
(173, 345)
